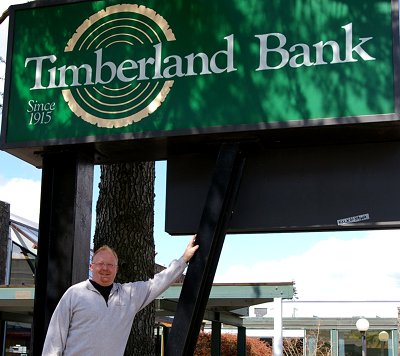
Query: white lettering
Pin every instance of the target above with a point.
(278, 52)
(124, 66)
(273, 55)
(38, 71)
(229, 58)
(175, 69)
(358, 49)
(158, 57)
(142, 67)
(190, 64)
(319, 53)
(75, 75)
(99, 68)
(304, 56)
(264, 50)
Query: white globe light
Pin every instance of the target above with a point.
(383, 336)
(362, 324)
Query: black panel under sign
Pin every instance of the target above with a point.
(295, 189)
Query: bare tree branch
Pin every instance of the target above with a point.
(3, 16)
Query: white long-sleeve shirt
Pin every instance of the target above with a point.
(84, 324)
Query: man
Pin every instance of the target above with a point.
(95, 317)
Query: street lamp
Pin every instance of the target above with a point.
(362, 326)
(383, 337)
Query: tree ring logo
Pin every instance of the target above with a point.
(114, 106)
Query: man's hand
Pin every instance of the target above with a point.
(190, 249)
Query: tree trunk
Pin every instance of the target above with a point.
(124, 221)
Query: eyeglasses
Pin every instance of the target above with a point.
(103, 264)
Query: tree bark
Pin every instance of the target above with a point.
(125, 222)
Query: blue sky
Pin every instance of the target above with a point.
(325, 266)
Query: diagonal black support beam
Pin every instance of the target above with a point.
(210, 236)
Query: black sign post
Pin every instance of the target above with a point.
(64, 235)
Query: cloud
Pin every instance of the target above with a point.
(335, 268)
(23, 195)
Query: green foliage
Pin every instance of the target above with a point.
(254, 346)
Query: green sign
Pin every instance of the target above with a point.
(96, 70)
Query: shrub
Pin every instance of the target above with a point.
(254, 346)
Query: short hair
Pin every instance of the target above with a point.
(105, 248)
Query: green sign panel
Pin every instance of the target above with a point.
(95, 70)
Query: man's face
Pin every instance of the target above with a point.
(104, 268)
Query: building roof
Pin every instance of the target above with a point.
(24, 233)
(227, 302)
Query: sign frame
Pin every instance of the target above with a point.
(160, 144)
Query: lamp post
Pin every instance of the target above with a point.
(383, 337)
(362, 326)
